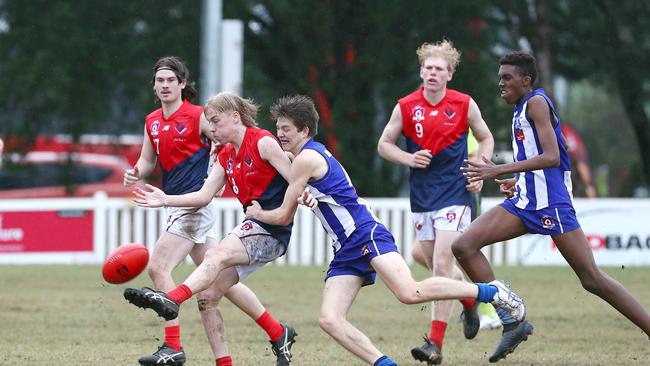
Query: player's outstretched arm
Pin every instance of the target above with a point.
(151, 196)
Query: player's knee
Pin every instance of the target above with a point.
(461, 248)
(593, 282)
(157, 272)
(408, 295)
(329, 322)
(443, 268)
(207, 303)
(214, 256)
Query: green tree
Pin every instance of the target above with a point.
(605, 42)
(356, 59)
(85, 66)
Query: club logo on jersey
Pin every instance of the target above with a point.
(248, 160)
(418, 113)
(518, 131)
(451, 216)
(154, 128)
(246, 226)
(519, 135)
(180, 127)
(229, 165)
(449, 113)
(365, 250)
(547, 222)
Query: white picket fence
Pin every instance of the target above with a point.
(118, 221)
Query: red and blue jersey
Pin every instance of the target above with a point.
(250, 177)
(442, 129)
(182, 152)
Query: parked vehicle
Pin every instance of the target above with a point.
(43, 174)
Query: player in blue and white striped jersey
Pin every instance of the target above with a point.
(362, 245)
(539, 199)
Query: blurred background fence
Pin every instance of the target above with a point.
(85, 230)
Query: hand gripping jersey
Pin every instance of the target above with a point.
(252, 178)
(442, 129)
(339, 209)
(546, 187)
(182, 153)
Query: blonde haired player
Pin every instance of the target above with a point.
(435, 122)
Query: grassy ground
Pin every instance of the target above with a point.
(67, 315)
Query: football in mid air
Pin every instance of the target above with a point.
(125, 263)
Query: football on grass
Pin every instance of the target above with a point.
(125, 263)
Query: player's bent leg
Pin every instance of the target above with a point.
(575, 249)
(338, 295)
(214, 325)
(230, 252)
(393, 270)
(495, 225)
(169, 251)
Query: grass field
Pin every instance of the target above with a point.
(67, 315)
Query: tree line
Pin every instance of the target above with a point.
(85, 66)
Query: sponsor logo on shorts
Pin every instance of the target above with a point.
(548, 223)
(247, 226)
(451, 216)
(365, 250)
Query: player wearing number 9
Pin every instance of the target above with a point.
(435, 122)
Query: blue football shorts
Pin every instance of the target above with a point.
(359, 249)
(547, 221)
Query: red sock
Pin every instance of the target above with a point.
(180, 294)
(271, 326)
(173, 337)
(437, 333)
(468, 303)
(224, 361)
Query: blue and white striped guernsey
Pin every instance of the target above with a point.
(339, 209)
(539, 189)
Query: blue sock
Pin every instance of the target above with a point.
(384, 361)
(486, 292)
(505, 317)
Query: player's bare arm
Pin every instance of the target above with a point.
(271, 151)
(539, 112)
(145, 164)
(307, 165)
(388, 149)
(204, 126)
(152, 196)
(483, 137)
(480, 130)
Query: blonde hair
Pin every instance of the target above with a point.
(444, 49)
(229, 102)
